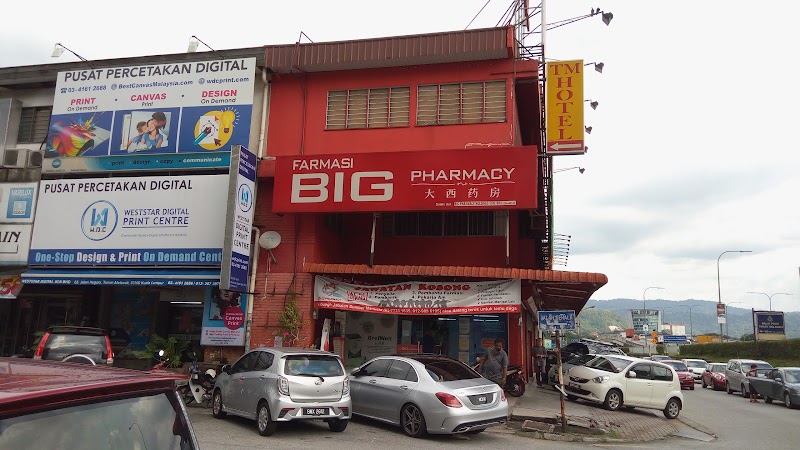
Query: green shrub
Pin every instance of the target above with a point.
(778, 353)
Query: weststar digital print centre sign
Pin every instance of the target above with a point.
(150, 117)
(445, 180)
(130, 221)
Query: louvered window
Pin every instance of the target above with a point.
(445, 104)
(368, 108)
(33, 124)
(457, 223)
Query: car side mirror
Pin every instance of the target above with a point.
(227, 369)
(631, 374)
(357, 372)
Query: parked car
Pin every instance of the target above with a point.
(696, 366)
(684, 374)
(660, 358)
(782, 383)
(617, 381)
(49, 404)
(271, 385)
(427, 394)
(736, 374)
(578, 360)
(75, 344)
(714, 376)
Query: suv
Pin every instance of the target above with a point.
(736, 374)
(57, 405)
(75, 344)
(274, 385)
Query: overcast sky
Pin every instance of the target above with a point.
(691, 152)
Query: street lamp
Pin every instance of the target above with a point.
(719, 290)
(770, 296)
(644, 301)
(691, 328)
(728, 319)
(580, 169)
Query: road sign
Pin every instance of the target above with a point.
(556, 320)
(675, 339)
(564, 91)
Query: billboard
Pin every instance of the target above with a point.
(644, 321)
(769, 325)
(239, 220)
(162, 115)
(223, 318)
(564, 114)
(130, 221)
(17, 202)
(443, 180)
(15, 241)
(556, 320)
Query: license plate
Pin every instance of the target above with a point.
(315, 411)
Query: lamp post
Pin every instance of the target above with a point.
(770, 296)
(580, 169)
(727, 319)
(691, 328)
(719, 289)
(644, 301)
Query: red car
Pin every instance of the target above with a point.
(714, 376)
(684, 374)
(54, 404)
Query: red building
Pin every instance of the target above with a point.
(408, 159)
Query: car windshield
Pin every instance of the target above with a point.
(718, 368)
(608, 363)
(677, 365)
(696, 364)
(313, 366)
(59, 346)
(580, 360)
(792, 376)
(441, 369)
(759, 366)
(154, 421)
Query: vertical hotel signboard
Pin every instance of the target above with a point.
(564, 112)
(153, 117)
(239, 220)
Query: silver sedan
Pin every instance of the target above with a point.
(427, 394)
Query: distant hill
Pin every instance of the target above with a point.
(703, 316)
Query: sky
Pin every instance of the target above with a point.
(690, 154)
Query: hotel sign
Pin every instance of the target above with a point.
(445, 180)
(564, 113)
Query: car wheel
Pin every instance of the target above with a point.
(768, 399)
(728, 388)
(673, 408)
(787, 400)
(412, 421)
(704, 384)
(745, 394)
(613, 400)
(216, 405)
(516, 389)
(266, 426)
(337, 425)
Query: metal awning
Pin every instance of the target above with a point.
(122, 277)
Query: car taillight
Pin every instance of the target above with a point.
(449, 400)
(502, 396)
(110, 350)
(346, 386)
(283, 385)
(40, 348)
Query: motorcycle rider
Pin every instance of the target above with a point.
(494, 364)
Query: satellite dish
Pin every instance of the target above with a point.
(269, 240)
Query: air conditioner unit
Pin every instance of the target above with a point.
(21, 158)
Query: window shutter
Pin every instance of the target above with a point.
(337, 110)
(495, 104)
(399, 105)
(426, 104)
(34, 124)
(378, 108)
(357, 108)
(449, 104)
(472, 109)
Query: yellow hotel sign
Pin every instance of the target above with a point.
(564, 89)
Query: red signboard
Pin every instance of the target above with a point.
(442, 180)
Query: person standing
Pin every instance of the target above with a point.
(753, 372)
(539, 363)
(494, 365)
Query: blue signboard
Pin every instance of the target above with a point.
(556, 320)
(769, 322)
(675, 339)
(239, 220)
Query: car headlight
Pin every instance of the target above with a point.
(601, 378)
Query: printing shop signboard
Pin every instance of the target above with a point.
(444, 180)
(420, 298)
(136, 221)
(162, 116)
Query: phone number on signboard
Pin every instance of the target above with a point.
(67, 90)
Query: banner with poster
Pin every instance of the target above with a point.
(158, 109)
(224, 318)
(368, 336)
(420, 298)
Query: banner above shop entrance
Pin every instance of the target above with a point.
(420, 298)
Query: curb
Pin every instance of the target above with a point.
(694, 425)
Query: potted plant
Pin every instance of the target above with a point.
(291, 321)
(173, 350)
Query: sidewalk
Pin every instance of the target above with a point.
(544, 405)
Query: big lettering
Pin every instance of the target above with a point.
(316, 187)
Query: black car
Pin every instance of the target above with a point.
(75, 344)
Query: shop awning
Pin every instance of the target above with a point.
(553, 289)
(123, 277)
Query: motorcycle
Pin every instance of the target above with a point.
(515, 382)
(199, 388)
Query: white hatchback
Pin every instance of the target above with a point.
(617, 381)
